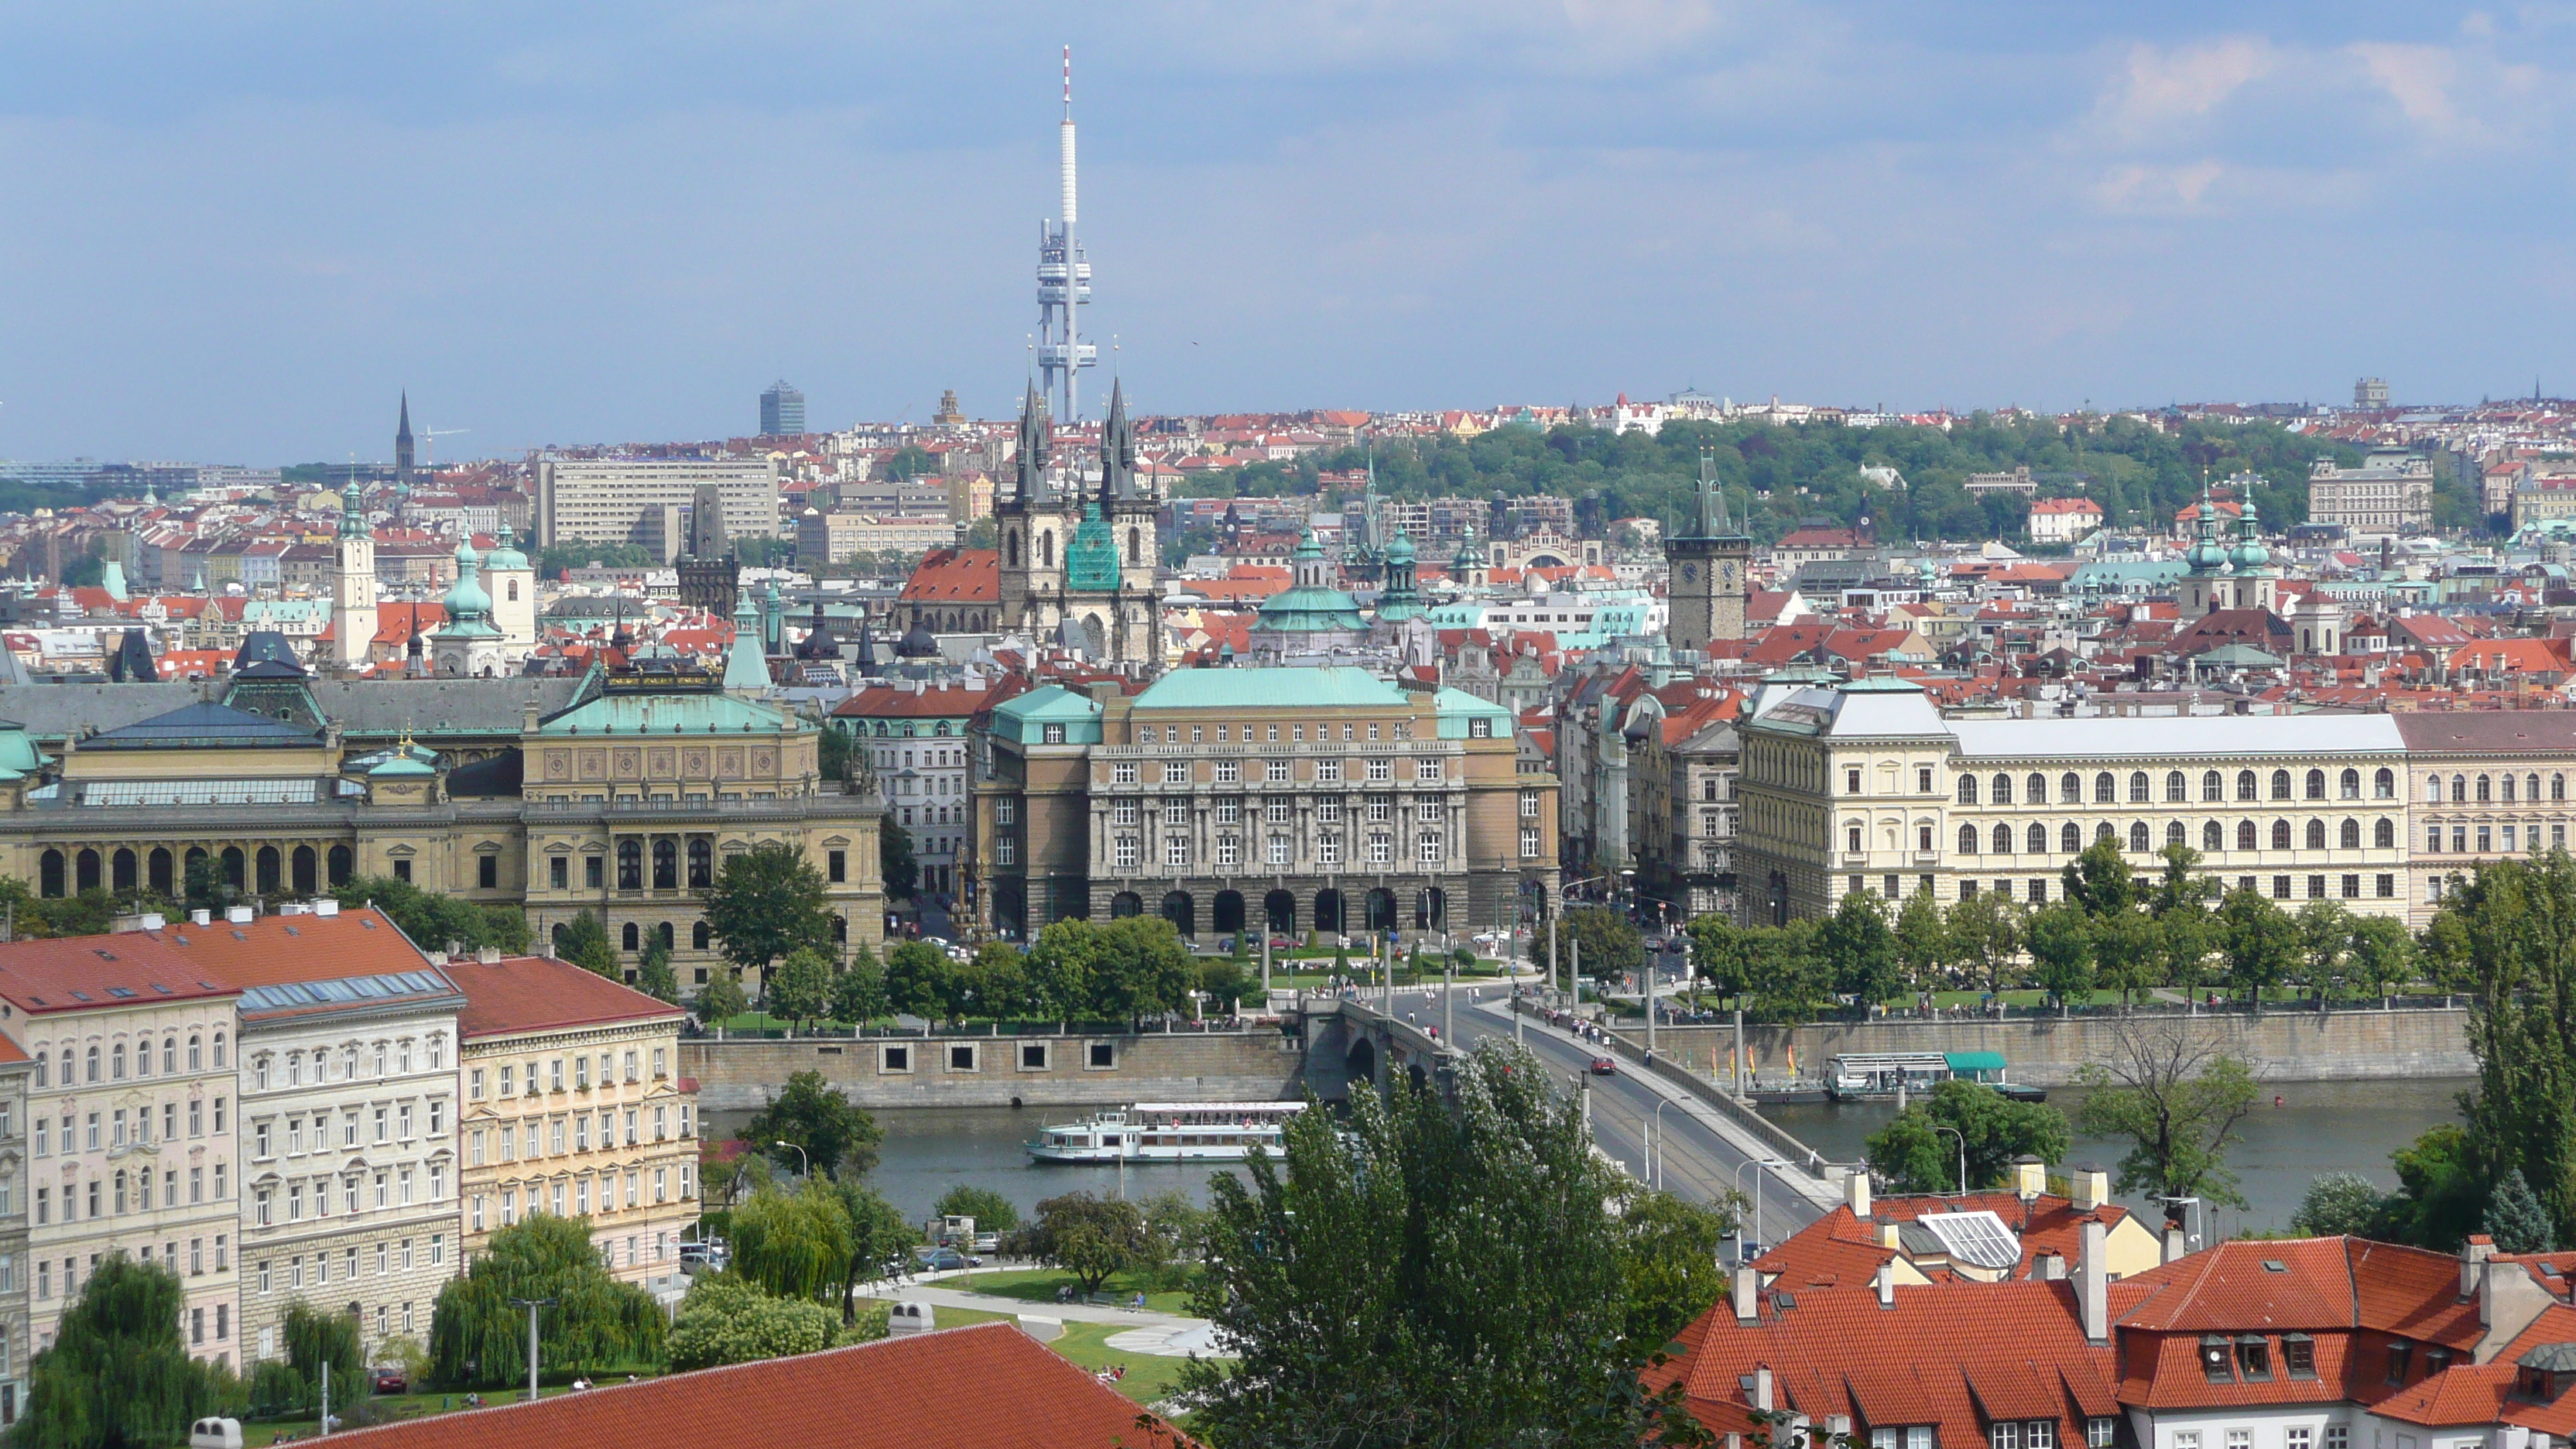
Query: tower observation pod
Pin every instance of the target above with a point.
(1064, 281)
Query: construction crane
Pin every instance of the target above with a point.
(429, 443)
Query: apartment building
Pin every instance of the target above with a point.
(637, 500)
(2486, 785)
(914, 735)
(1323, 797)
(17, 1070)
(573, 1106)
(1864, 786)
(2389, 495)
(130, 1144)
(347, 1088)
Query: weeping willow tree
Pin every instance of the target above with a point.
(794, 1245)
(117, 1374)
(479, 1338)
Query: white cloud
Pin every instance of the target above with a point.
(2157, 189)
(2160, 88)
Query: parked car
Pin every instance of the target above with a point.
(392, 1381)
(948, 1260)
(1604, 1067)
(988, 1242)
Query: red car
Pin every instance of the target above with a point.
(391, 1381)
(1604, 1067)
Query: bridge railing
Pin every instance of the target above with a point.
(1769, 1133)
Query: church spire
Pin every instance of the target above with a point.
(1117, 451)
(402, 442)
(1712, 498)
(1037, 447)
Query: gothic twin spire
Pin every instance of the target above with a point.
(1037, 450)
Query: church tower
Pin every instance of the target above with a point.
(402, 445)
(1033, 527)
(353, 586)
(1706, 590)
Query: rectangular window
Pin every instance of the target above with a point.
(2039, 1434)
(1276, 850)
(2387, 886)
(1122, 773)
(1176, 850)
(2098, 1432)
(1275, 772)
(1381, 769)
(1426, 769)
(1381, 850)
(2003, 1434)
(488, 872)
(1229, 772)
(836, 866)
(1125, 850)
(2280, 887)
(1327, 771)
(1427, 848)
(1529, 842)
(559, 872)
(1328, 849)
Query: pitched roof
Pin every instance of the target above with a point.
(92, 973)
(2322, 1283)
(204, 726)
(268, 950)
(990, 1385)
(956, 576)
(540, 993)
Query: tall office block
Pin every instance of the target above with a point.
(782, 411)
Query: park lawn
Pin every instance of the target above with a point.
(1150, 1377)
(397, 1406)
(1037, 1287)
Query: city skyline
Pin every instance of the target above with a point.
(549, 231)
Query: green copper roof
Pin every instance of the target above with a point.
(1024, 718)
(667, 714)
(1321, 687)
(1457, 707)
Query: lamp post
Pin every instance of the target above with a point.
(1765, 1163)
(1655, 1149)
(801, 1153)
(532, 1305)
(1963, 1155)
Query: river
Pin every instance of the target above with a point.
(2320, 1127)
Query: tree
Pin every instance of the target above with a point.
(721, 999)
(319, 1337)
(1058, 968)
(2325, 945)
(1922, 941)
(1611, 948)
(478, 1339)
(1859, 951)
(436, 921)
(2516, 1220)
(766, 902)
(654, 977)
(206, 886)
(1717, 953)
(2383, 955)
(1784, 975)
(2100, 883)
(2338, 1203)
(859, 994)
(1226, 984)
(117, 1374)
(992, 1212)
(1668, 1259)
(895, 862)
(1091, 1237)
(2441, 1193)
(2124, 953)
(2261, 942)
(2514, 925)
(584, 942)
(2183, 940)
(919, 979)
(2061, 949)
(1984, 932)
(726, 1319)
(1142, 969)
(809, 1113)
(1175, 1234)
(793, 1245)
(2169, 1088)
(800, 985)
(1359, 1277)
(1914, 1155)
(878, 1233)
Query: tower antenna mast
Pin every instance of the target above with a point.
(1064, 280)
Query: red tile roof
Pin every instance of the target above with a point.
(88, 973)
(956, 575)
(537, 993)
(275, 949)
(990, 1386)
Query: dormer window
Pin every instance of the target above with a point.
(2253, 1358)
(2400, 1353)
(2299, 1355)
(2218, 1359)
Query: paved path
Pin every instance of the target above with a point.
(919, 1291)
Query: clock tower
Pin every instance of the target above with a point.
(1707, 585)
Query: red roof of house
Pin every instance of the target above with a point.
(94, 973)
(956, 576)
(1843, 1246)
(990, 1386)
(2065, 505)
(937, 701)
(538, 993)
(269, 950)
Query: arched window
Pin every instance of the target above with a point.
(2245, 786)
(2531, 787)
(699, 935)
(702, 863)
(2138, 842)
(1967, 789)
(630, 864)
(2352, 835)
(633, 938)
(2316, 835)
(2037, 838)
(1011, 549)
(2177, 789)
(92, 1074)
(2070, 788)
(2459, 789)
(2245, 836)
(666, 864)
(116, 1063)
(2106, 791)
(667, 938)
(2037, 788)
(2212, 787)
(2280, 835)
(2138, 787)
(2070, 841)
(2433, 789)
(2384, 834)
(2003, 789)
(1967, 840)
(2508, 789)
(1046, 549)
(2280, 784)
(2484, 788)
(2316, 784)
(2003, 840)
(2558, 787)
(2176, 833)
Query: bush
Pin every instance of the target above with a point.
(727, 1320)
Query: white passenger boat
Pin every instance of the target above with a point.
(1168, 1132)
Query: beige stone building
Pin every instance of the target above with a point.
(2485, 785)
(573, 1106)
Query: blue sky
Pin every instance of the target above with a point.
(240, 226)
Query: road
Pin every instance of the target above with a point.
(1688, 1156)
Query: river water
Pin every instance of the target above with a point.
(2319, 1127)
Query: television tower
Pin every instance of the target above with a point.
(1064, 282)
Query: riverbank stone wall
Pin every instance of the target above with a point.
(1005, 1071)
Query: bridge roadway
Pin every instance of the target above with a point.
(1690, 1154)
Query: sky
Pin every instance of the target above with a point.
(239, 229)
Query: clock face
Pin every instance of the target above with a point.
(1690, 572)
(1726, 575)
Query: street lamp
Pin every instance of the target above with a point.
(532, 1305)
(1654, 1140)
(1765, 1163)
(801, 1153)
(1963, 1155)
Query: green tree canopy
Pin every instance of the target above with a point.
(992, 1212)
(2337, 1203)
(727, 1319)
(793, 1244)
(721, 999)
(2168, 1088)
(1914, 1154)
(117, 1375)
(2514, 925)
(1668, 1259)
(920, 979)
(1859, 951)
(654, 977)
(810, 1113)
(878, 1235)
(2100, 883)
(895, 862)
(2061, 948)
(1922, 941)
(800, 985)
(859, 994)
(1611, 948)
(1985, 936)
(1089, 1236)
(585, 944)
(434, 920)
(477, 1339)
(1717, 953)
(2261, 942)
(767, 902)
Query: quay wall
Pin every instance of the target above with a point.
(1262, 1064)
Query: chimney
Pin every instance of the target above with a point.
(1885, 1282)
(488, 955)
(2093, 1281)
(2473, 1262)
(2052, 1267)
(2030, 1176)
(1762, 1387)
(1748, 1293)
(202, 918)
(240, 915)
(1856, 1192)
(2092, 1187)
(2174, 1245)
(1887, 1235)
(326, 907)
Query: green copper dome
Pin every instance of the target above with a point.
(1311, 606)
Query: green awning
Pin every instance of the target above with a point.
(1966, 1062)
